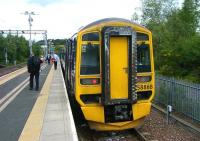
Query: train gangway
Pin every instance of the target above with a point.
(29, 115)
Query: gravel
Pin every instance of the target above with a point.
(155, 128)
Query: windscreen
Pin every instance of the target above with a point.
(143, 55)
(90, 63)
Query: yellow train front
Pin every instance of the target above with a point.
(110, 70)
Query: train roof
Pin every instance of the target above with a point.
(111, 20)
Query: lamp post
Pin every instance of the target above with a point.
(46, 43)
(30, 20)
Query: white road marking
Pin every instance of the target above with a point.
(11, 95)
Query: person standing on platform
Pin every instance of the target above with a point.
(34, 70)
(48, 58)
(55, 59)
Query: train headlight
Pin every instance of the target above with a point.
(90, 81)
(143, 78)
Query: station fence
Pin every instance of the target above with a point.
(184, 97)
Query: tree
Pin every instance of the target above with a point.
(154, 17)
(156, 11)
(2, 48)
(22, 49)
(189, 16)
(11, 48)
(17, 48)
(136, 17)
(37, 50)
(175, 37)
(59, 48)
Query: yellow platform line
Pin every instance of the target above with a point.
(33, 126)
(11, 75)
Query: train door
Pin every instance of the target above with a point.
(119, 61)
(118, 67)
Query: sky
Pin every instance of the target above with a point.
(61, 18)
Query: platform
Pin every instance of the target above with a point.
(43, 115)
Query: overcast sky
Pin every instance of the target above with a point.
(61, 18)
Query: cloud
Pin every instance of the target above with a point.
(62, 18)
(50, 2)
(44, 2)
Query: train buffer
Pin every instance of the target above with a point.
(29, 115)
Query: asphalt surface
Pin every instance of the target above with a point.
(15, 115)
(9, 85)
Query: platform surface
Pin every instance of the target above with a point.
(58, 121)
(43, 115)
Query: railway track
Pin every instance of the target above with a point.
(127, 135)
(86, 134)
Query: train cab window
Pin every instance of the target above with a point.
(90, 61)
(143, 58)
(94, 36)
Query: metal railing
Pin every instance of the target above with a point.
(184, 97)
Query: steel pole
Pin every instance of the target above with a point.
(30, 40)
(46, 44)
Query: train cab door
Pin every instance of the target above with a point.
(118, 67)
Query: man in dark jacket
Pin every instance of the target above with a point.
(48, 58)
(34, 70)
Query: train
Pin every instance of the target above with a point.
(109, 70)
